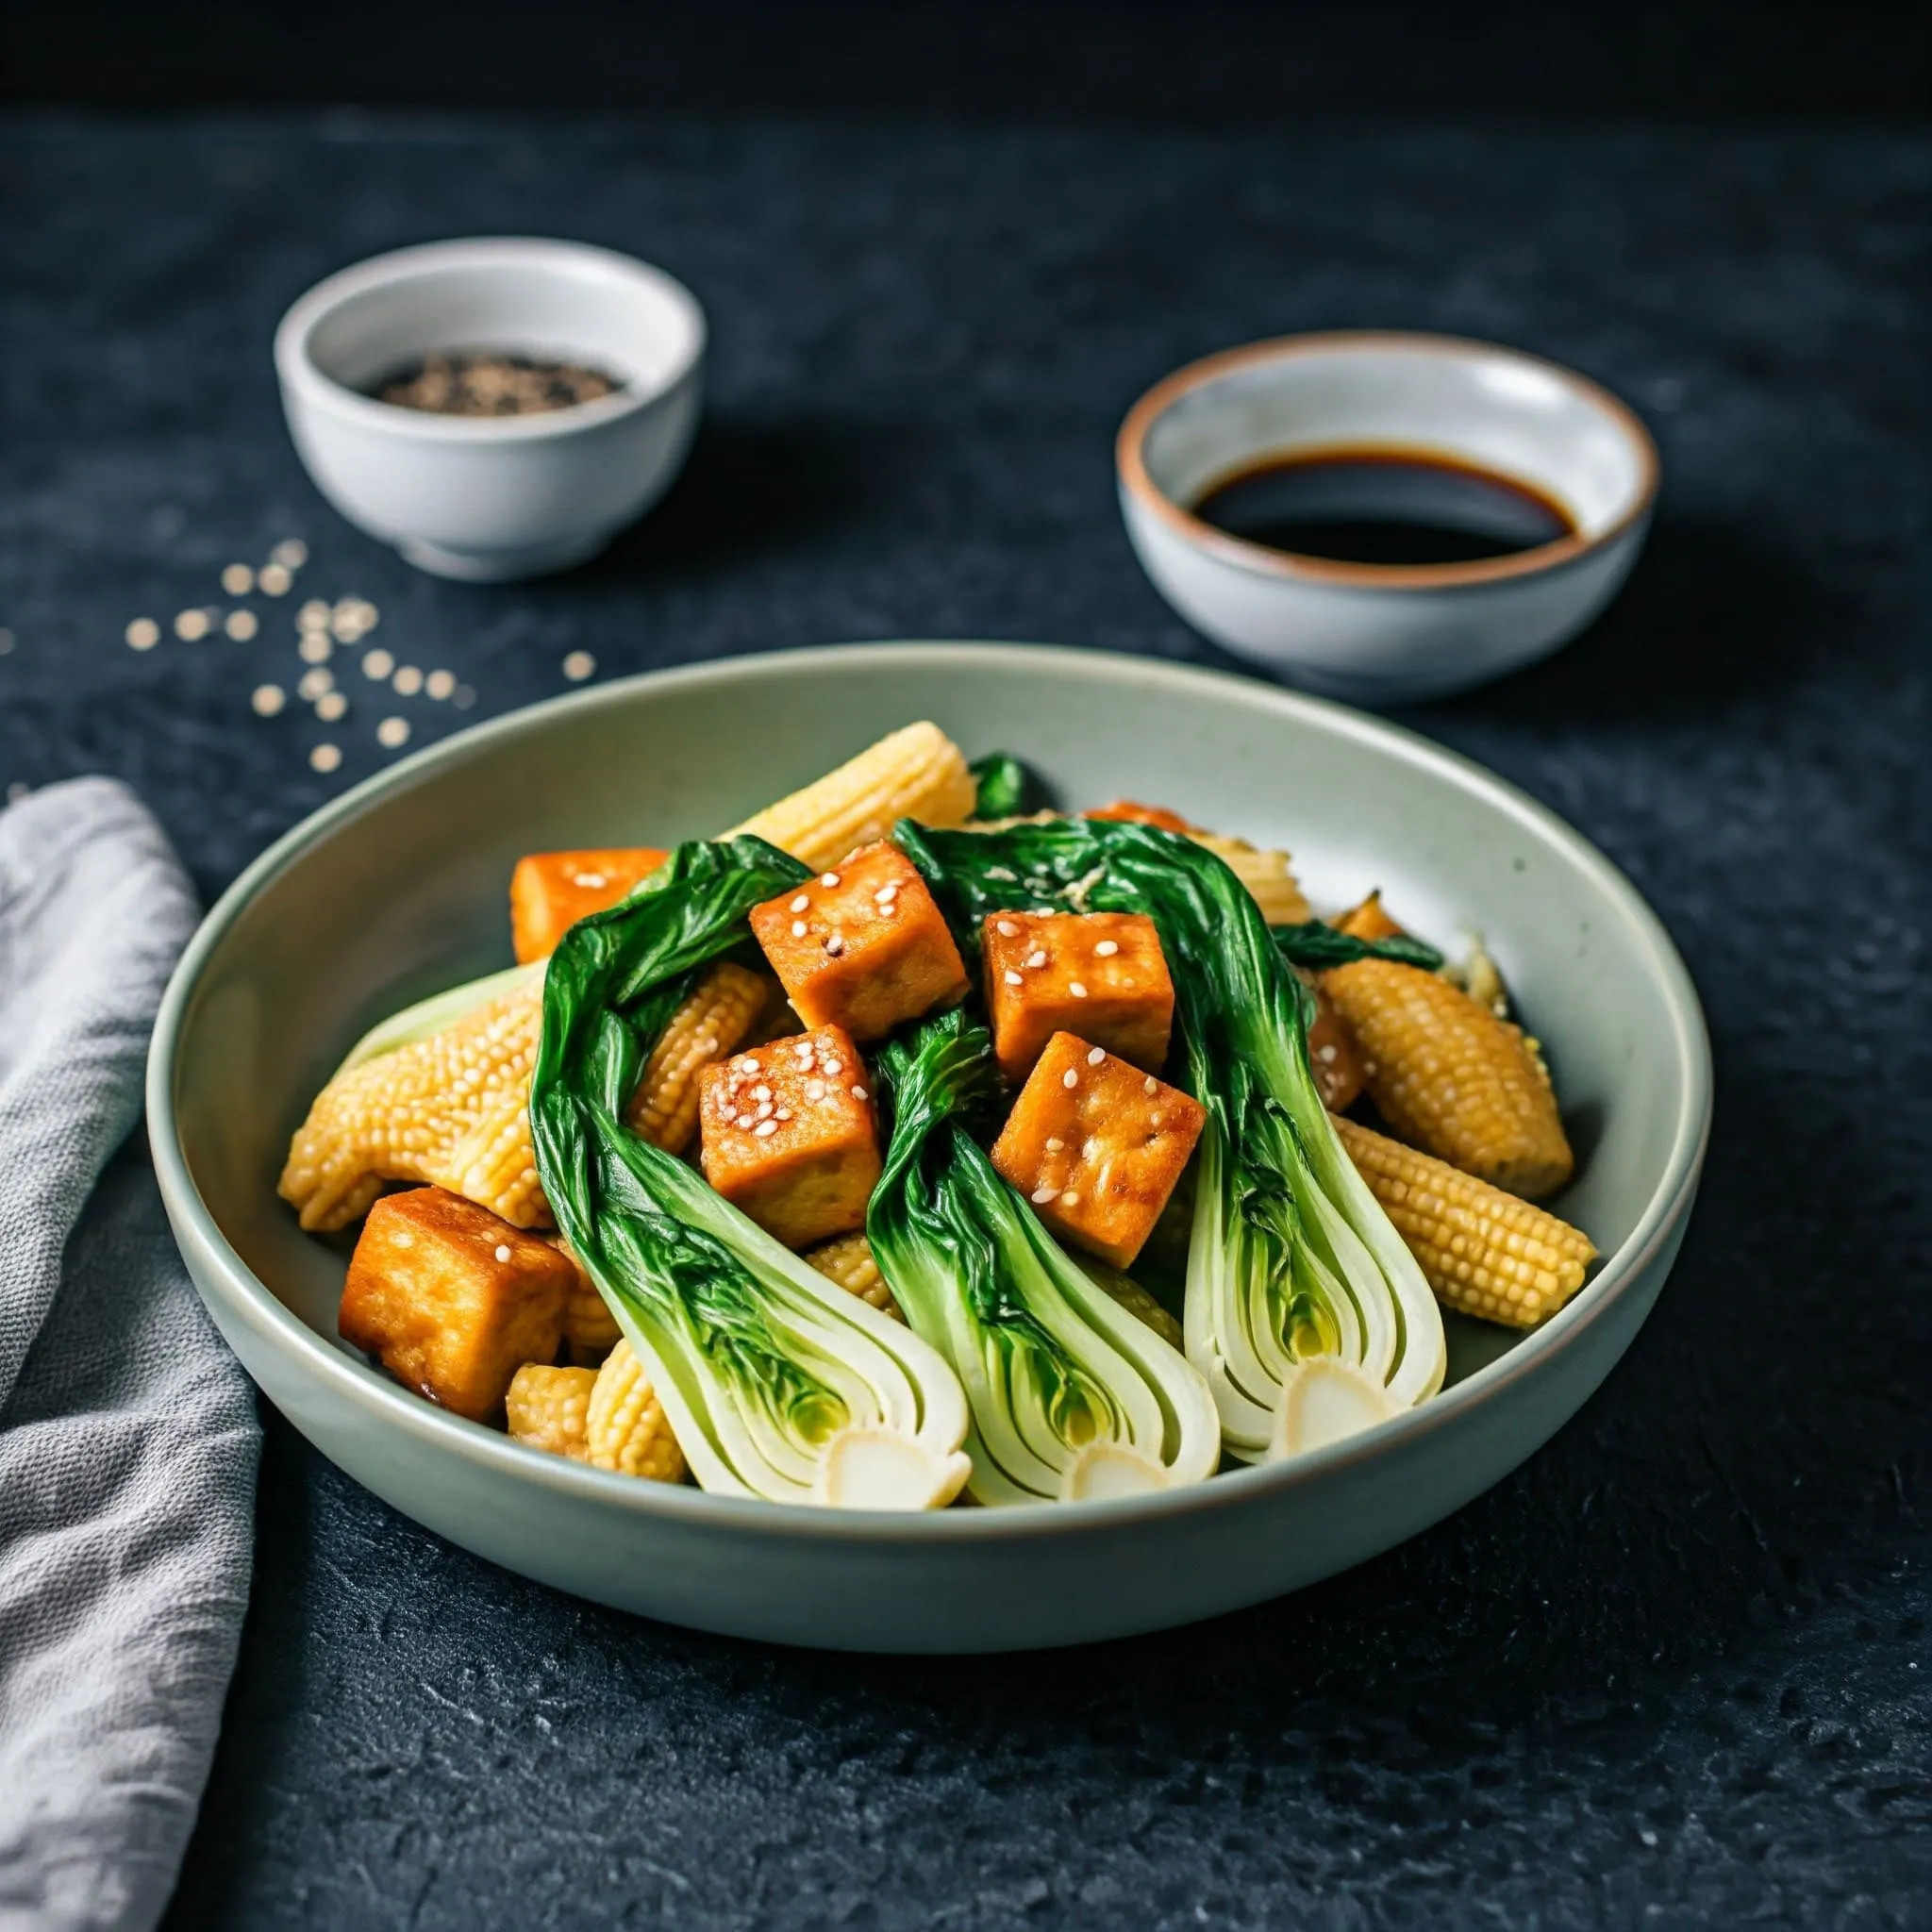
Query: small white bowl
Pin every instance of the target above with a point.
(1385, 633)
(494, 497)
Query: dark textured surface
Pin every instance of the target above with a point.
(1675, 1670)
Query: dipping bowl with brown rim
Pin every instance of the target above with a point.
(1535, 484)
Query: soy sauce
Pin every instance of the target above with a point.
(1384, 506)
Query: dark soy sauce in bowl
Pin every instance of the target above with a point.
(1380, 505)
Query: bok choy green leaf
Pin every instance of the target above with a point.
(1071, 1396)
(776, 1382)
(1304, 1311)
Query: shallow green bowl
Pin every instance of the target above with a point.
(398, 889)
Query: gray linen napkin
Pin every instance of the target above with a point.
(127, 1434)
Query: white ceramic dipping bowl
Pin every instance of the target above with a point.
(494, 497)
(1385, 633)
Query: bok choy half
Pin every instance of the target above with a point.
(777, 1383)
(1304, 1311)
(1072, 1396)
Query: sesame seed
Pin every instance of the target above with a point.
(748, 1065)
(761, 1091)
(578, 666)
(1070, 1078)
(814, 1089)
(240, 625)
(1005, 928)
(834, 1068)
(1369, 1069)
(1036, 959)
(1042, 1196)
(784, 1113)
(885, 895)
(828, 879)
(1054, 1144)
(859, 1093)
(316, 648)
(746, 1120)
(1011, 977)
(1069, 1199)
(1150, 1086)
(1325, 1055)
(798, 928)
(1095, 1056)
(290, 553)
(765, 1109)
(392, 733)
(1001, 872)
(1078, 989)
(835, 945)
(740, 1064)
(802, 903)
(238, 580)
(377, 663)
(331, 706)
(144, 634)
(191, 625)
(765, 1129)
(439, 684)
(804, 1051)
(407, 681)
(268, 699)
(313, 615)
(273, 580)
(590, 881)
(326, 757)
(502, 1252)
(1107, 949)
(314, 684)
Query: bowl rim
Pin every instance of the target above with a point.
(222, 1274)
(1564, 553)
(302, 375)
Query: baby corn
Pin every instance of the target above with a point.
(1266, 874)
(917, 772)
(848, 1261)
(1484, 1251)
(549, 1408)
(1450, 1076)
(624, 1425)
(454, 1109)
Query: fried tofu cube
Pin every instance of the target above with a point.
(1100, 974)
(1097, 1146)
(863, 947)
(453, 1300)
(790, 1135)
(549, 891)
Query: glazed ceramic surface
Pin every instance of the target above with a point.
(1379, 633)
(494, 497)
(398, 890)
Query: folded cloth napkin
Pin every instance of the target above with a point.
(127, 1433)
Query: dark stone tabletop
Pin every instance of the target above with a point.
(1676, 1669)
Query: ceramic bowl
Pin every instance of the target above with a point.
(398, 889)
(494, 497)
(1380, 633)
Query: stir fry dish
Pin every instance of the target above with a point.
(903, 1146)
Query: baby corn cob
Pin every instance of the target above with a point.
(454, 1109)
(1451, 1077)
(1484, 1251)
(848, 1261)
(549, 1408)
(625, 1427)
(916, 773)
(713, 1018)
(589, 1329)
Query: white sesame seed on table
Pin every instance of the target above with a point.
(242, 626)
(580, 665)
(440, 684)
(237, 579)
(273, 580)
(144, 634)
(377, 663)
(316, 648)
(290, 553)
(326, 757)
(191, 626)
(313, 615)
(268, 700)
(408, 680)
(314, 684)
(331, 706)
(392, 733)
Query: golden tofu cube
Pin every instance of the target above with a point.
(453, 1300)
(790, 1136)
(863, 947)
(1100, 974)
(1097, 1146)
(549, 891)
